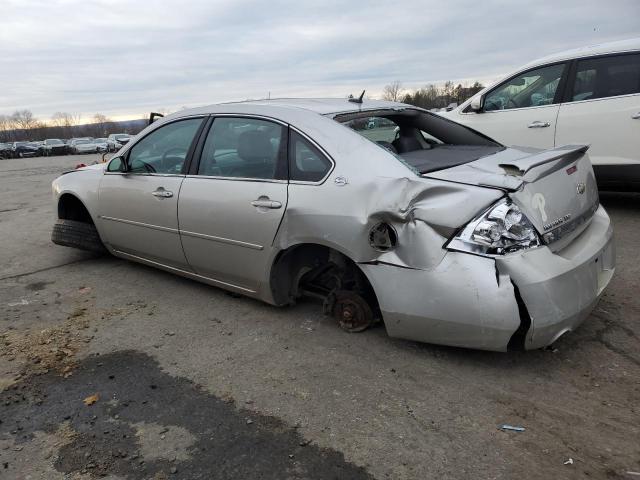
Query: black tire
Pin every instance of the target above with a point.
(81, 235)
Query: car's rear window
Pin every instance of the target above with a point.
(424, 141)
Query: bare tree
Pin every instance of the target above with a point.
(23, 119)
(6, 128)
(101, 125)
(65, 120)
(392, 91)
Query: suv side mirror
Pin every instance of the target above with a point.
(476, 104)
(116, 165)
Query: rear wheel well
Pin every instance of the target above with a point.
(317, 271)
(71, 208)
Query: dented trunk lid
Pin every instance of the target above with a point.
(556, 189)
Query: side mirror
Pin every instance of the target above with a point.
(116, 165)
(476, 104)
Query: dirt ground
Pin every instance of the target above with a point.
(114, 370)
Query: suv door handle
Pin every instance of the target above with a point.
(162, 193)
(266, 203)
(538, 124)
(636, 116)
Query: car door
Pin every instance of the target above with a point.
(138, 207)
(231, 206)
(603, 110)
(522, 110)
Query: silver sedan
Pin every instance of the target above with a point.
(382, 211)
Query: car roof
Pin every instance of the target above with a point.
(629, 45)
(322, 106)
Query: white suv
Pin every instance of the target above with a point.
(589, 95)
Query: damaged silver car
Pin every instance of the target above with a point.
(383, 211)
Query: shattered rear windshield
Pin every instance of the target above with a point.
(423, 141)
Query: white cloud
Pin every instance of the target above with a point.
(125, 58)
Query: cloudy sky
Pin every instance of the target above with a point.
(126, 58)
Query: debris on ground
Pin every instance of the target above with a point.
(91, 399)
(512, 428)
(48, 349)
(569, 462)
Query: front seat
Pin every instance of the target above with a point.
(407, 141)
(256, 151)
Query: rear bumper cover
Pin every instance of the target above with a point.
(471, 301)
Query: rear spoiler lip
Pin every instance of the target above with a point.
(525, 164)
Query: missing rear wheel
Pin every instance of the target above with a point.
(352, 311)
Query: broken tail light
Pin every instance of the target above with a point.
(501, 229)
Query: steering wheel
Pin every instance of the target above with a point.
(512, 101)
(148, 168)
(174, 150)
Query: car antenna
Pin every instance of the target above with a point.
(356, 100)
(153, 116)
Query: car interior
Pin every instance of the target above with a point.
(242, 148)
(424, 141)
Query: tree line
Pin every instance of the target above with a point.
(22, 125)
(431, 96)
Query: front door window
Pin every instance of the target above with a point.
(164, 150)
(530, 89)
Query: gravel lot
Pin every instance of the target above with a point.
(186, 381)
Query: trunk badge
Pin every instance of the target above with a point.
(580, 188)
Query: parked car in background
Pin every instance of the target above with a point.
(118, 140)
(24, 149)
(102, 144)
(54, 146)
(5, 150)
(81, 146)
(446, 235)
(588, 95)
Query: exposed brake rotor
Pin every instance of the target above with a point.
(352, 311)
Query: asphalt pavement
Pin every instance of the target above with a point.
(116, 370)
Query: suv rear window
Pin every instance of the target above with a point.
(606, 77)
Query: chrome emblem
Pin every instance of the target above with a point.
(341, 181)
(580, 188)
(556, 222)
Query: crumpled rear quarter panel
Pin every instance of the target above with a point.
(460, 302)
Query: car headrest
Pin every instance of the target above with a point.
(255, 146)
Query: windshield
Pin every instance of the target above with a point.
(100, 140)
(424, 141)
(53, 141)
(122, 137)
(81, 142)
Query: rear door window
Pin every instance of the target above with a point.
(606, 77)
(244, 148)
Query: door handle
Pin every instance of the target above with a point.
(636, 116)
(266, 203)
(538, 124)
(162, 193)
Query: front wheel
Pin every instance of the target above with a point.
(81, 235)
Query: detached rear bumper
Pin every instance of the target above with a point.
(480, 302)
